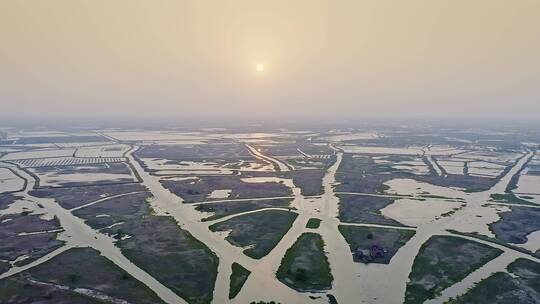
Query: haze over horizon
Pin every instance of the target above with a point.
(277, 58)
(284, 151)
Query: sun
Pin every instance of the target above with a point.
(259, 67)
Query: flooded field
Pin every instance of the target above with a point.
(9, 181)
(209, 215)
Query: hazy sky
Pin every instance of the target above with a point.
(194, 58)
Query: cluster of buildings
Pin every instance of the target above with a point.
(369, 254)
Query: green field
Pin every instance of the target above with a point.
(260, 231)
(238, 277)
(75, 268)
(313, 223)
(522, 285)
(305, 266)
(443, 261)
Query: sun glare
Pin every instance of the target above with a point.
(259, 67)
